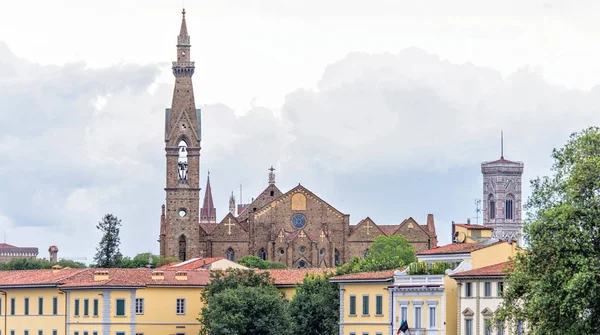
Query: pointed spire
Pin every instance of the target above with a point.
(208, 212)
(183, 37)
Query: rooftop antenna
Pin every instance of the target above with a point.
(501, 144)
(241, 199)
(5, 236)
(477, 209)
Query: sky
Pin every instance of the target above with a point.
(383, 108)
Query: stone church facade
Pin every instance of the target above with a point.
(296, 227)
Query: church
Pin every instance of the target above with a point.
(296, 228)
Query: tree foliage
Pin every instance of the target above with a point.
(386, 253)
(108, 248)
(314, 310)
(36, 264)
(555, 285)
(255, 262)
(141, 261)
(240, 302)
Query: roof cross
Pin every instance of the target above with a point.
(229, 226)
(302, 235)
(322, 236)
(368, 226)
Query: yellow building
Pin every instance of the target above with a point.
(111, 301)
(365, 303)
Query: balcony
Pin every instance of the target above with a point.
(420, 331)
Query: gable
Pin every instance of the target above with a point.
(299, 199)
(366, 230)
(264, 198)
(230, 229)
(412, 230)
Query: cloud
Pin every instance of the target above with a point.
(384, 135)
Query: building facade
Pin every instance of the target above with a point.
(9, 252)
(296, 227)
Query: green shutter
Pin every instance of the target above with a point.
(365, 302)
(40, 332)
(26, 306)
(55, 305)
(76, 307)
(12, 306)
(352, 305)
(379, 305)
(95, 307)
(41, 306)
(86, 307)
(120, 307)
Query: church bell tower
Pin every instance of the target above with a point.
(180, 228)
(502, 197)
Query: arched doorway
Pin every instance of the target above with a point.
(182, 248)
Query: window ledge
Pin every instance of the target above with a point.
(351, 314)
(379, 315)
(365, 315)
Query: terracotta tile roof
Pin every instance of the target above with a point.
(36, 277)
(293, 276)
(458, 248)
(383, 275)
(501, 161)
(472, 226)
(490, 270)
(194, 263)
(136, 278)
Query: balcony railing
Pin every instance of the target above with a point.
(419, 331)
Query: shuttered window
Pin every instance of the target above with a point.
(379, 305)
(95, 307)
(365, 306)
(120, 307)
(54, 305)
(76, 313)
(352, 305)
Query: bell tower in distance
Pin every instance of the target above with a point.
(180, 237)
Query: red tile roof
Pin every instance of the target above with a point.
(190, 265)
(472, 226)
(458, 248)
(389, 229)
(293, 276)
(490, 270)
(36, 277)
(383, 275)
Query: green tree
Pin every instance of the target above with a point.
(141, 261)
(389, 252)
(37, 264)
(239, 302)
(107, 250)
(314, 310)
(554, 286)
(386, 253)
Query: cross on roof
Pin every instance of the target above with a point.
(302, 235)
(229, 226)
(368, 226)
(280, 236)
(272, 169)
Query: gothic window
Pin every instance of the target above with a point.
(182, 162)
(337, 257)
(230, 255)
(366, 253)
(492, 208)
(262, 254)
(182, 248)
(509, 207)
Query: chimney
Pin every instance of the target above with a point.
(181, 275)
(56, 268)
(453, 231)
(468, 221)
(158, 275)
(100, 275)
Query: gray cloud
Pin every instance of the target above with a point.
(384, 135)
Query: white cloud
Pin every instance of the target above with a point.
(384, 135)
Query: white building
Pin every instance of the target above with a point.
(479, 296)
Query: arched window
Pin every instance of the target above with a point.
(509, 207)
(182, 162)
(366, 253)
(182, 248)
(492, 207)
(262, 254)
(336, 257)
(230, 255)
